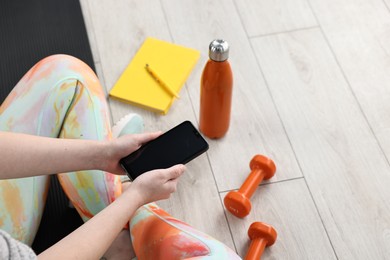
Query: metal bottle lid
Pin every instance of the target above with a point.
(219, 50)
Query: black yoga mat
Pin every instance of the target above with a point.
(30, 31)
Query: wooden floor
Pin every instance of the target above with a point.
(311, 91)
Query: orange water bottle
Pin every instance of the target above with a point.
(216, 89)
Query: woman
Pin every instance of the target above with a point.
(56, 120)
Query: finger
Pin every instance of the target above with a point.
(172, 185)
(119, 170)
(175, 171)
(146, 137)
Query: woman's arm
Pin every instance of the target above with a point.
(24, 155)
(91, 240)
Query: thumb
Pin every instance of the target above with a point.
(175, 172)
(146, 137)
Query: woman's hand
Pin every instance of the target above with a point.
(116, 149)
(157, 184)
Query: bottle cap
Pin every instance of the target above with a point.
(219, 50)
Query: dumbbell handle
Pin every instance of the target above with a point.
(252, 181)
(256, 249)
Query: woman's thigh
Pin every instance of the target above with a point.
(59, 97)
(157, 235)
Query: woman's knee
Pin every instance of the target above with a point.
(46, 93)
(63, 64)
(60, 67)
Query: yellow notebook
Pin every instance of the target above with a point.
(173, 64)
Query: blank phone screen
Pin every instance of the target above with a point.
(177, 146)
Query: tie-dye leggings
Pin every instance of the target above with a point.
(61, 97)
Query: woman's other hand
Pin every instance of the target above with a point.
(116, 149)
(157, 184)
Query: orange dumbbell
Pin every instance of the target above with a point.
(237, 202)
(262, 235)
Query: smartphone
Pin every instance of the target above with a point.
(179, 145)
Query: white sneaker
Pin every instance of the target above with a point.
(130, 124)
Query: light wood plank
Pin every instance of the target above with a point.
(255, 124)
(273, 16)
(358, 33)
(120, 29)
(345, 168)
(133, 21)
(289, 208)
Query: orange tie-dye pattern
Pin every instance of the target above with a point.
(157, 235)
(15, 206)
